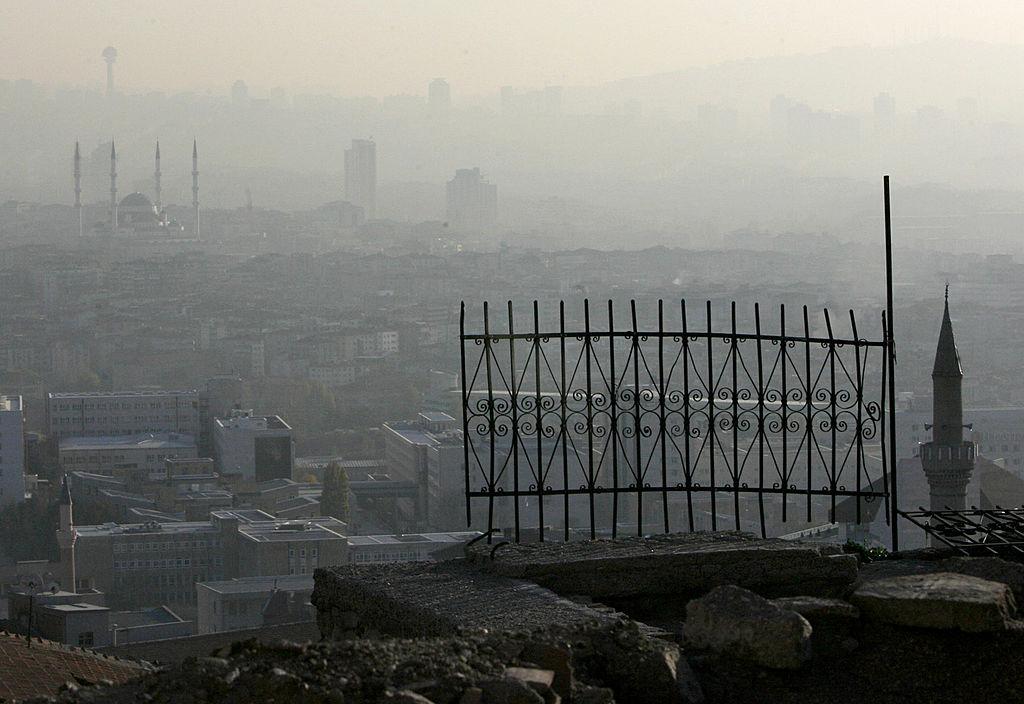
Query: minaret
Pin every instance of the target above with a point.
(113, 189)
(78, 187)
(948, 460)
(195, 186)
(156, 182)
(66, 537)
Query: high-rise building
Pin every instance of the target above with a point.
(472, 201)
(12, 451)
(948, 460)
(885, 114)
(361, 176)
(439, 94)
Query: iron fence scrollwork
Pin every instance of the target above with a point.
(665, 421)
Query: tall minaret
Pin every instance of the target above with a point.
(948, 460)
(66, 537)
(113, 189)
(156, 182)
(195, 186)
(78, 187)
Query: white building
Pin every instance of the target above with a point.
(255, 447)
(12, 450)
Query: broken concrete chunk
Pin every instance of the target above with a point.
(540, 680)
(735, 622)
(942, 600)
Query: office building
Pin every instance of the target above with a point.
(118, 414)
(361, 176)
(161, 562)
(472, 201)
(12, 450)
(253, 447)
(429, 452)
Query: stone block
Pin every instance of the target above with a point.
(675, 566)
(813, 607)
(734, 622)
(942, 600)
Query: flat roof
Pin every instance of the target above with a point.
(74, 608)
(143, 617)
(150, 528)
(257, 585)
(144, 441)
(405, 539)
(321, 528)
(436, 416)
(108, 394)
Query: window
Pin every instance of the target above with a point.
(85, 638)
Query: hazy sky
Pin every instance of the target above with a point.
(380, 47)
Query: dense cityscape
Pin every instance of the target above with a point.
(278, 363)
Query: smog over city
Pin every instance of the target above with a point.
(447, 351)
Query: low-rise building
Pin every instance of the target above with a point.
(161, 562)
(135, 456)
(234, 604)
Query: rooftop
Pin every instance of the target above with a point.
(10, 403)
(322, 528)
(74, 608)
(111, 394)
(412, 538)
(145, 441)
(44, 668)
(143, 617)
(256, 585)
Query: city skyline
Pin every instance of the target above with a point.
(477, 47)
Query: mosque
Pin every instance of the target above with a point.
(135, 215)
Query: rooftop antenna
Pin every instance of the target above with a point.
(195, 186)
(113, 189)
(78, 187)
(110, 56)
(156, 180)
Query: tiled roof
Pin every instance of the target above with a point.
(42, 669)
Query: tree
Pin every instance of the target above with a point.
(334, 499)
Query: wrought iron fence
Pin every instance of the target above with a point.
(673, 422)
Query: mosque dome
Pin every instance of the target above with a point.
(137, 210)
(135, 200)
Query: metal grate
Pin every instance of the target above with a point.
(974, 531)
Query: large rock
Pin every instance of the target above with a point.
(818, 608)
(943, 600)
(735, 622)
(995, 569)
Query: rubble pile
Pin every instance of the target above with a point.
(598, 663)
